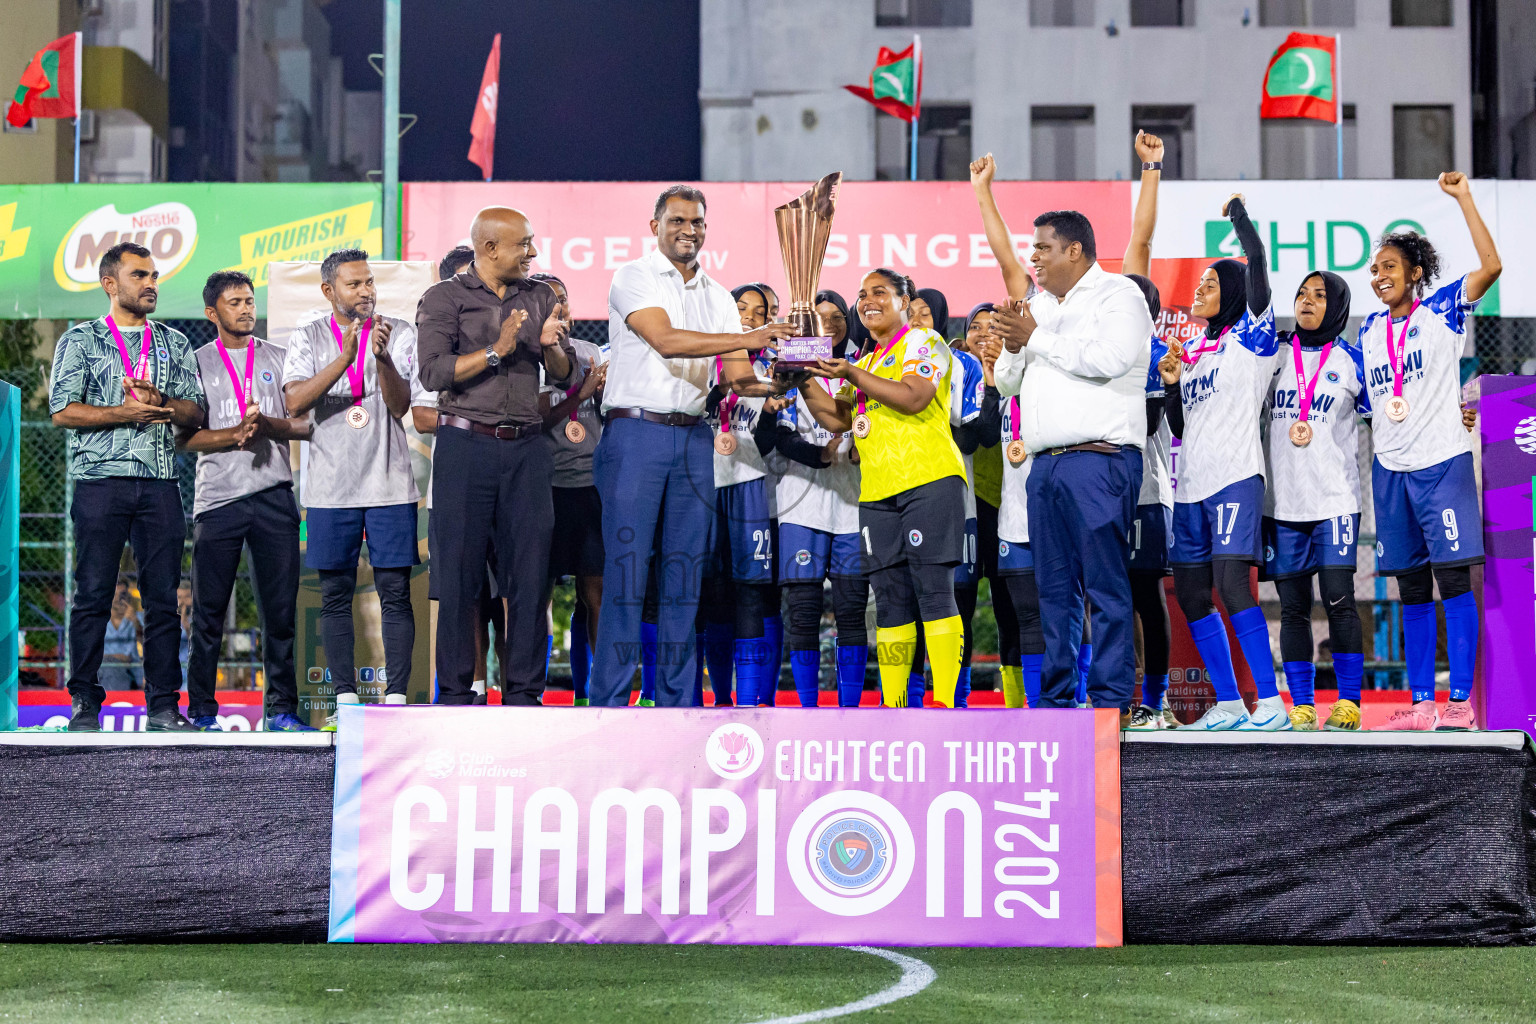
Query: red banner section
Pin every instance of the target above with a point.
(930, 230)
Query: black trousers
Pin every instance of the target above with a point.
(147, 515)
(267, 522)
(489, 494)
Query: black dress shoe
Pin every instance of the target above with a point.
(84, 716)
(169, 721)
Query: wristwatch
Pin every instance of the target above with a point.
(491, 358)
(1157, 166)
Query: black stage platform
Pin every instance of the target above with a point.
(1307, 837)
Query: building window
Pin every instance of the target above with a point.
(1176, 127)
(1307, 13)
(1423, 142)
(943, 144)
(1061, 143)
(1421, 13)
(922, 13)
(1060, 13)
(1299, 147)
(1162, 13)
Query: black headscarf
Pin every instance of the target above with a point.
(939, 306)
(1335, 317)
(840, 350)
(1234, 296)
(977, 310)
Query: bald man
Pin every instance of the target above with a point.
(483, 334)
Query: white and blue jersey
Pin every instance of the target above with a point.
(1013, 554)
(1320, 480)
(1156, 483)
(825, 499)
(966, 386)
(1222, 394)
(744, 463)
(1431, 365)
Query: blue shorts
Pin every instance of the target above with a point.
(965, 572)
(334, 536)
(1429, 516)
(1228, 524)
(1300, 549)
(743, 532)
(1149, 539)
(1014, 559)
(809, 556)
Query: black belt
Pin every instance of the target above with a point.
(671, 419)
(1102, 447)
(504, 432)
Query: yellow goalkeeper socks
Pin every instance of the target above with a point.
(946, 644)
(1013, 685)
(893, 651)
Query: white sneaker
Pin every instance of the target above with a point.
(1170, 720)
(347, 698)
(1269, 715)
(1219, 719)
(394, 698)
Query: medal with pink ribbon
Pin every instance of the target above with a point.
(357, 416)
(725, 442)
(1397, 405)
(861, 423)
(574, 431)
(1214, 344)
(1301, 430)
(1015, 451)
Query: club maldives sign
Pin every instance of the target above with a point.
(643, 825)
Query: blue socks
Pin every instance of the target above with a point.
(1300, 677)
(852, 661)
(1461, 623)
(1419, 647)
(1152, 690)
(581, 656)
(549, 650)
(773, 633)
(1084, 663)
(963, 687)
(647, 661)
(1253, 636)
(806, 667)
(1348, 669)
(1210, 635)
(747, 672)
(1032, 678)
(916, 686)
(719, 642)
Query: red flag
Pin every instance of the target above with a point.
(1302, 79)
(50, 85)
(482, 130)
(896, 83)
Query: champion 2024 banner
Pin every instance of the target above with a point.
(814, 826)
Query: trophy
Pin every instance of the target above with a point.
(805, 224)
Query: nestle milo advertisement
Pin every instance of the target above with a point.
(53, 236)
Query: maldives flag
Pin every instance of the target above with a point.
(896, 83)
(50, 86)
(1302, 79)
(482, 130)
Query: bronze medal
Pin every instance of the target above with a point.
(861, 426)
(575, 432)
(1397, 408)
(1301, 434)
(1017, 453)
(357, 417)
(725, 444)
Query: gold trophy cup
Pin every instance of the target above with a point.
(805, 224)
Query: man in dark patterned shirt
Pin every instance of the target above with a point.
(121, 385)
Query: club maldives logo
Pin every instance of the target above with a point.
(439, 764)
(167, 230)
(734, 751)
(851, 853)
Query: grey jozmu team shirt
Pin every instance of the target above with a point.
(224, 477)
(348, 467)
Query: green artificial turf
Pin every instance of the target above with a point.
(124, 984)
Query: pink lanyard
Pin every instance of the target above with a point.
(245, 396)
(129, 370)
(354, 373)
(1305, 388)
(1395, 356)
(728, 404)
(1013, 419)
(1215, 343)
(572, 391)
(874, 362)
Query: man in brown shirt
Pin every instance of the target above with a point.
(481, 337)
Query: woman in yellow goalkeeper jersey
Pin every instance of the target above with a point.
(912, 482)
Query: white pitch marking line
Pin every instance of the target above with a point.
(915, 976)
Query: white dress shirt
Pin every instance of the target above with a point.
(1083, 375)
(639, 377)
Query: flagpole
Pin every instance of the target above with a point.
(1338, 99)
(917, 87)
(77, 148)
(391, 197)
